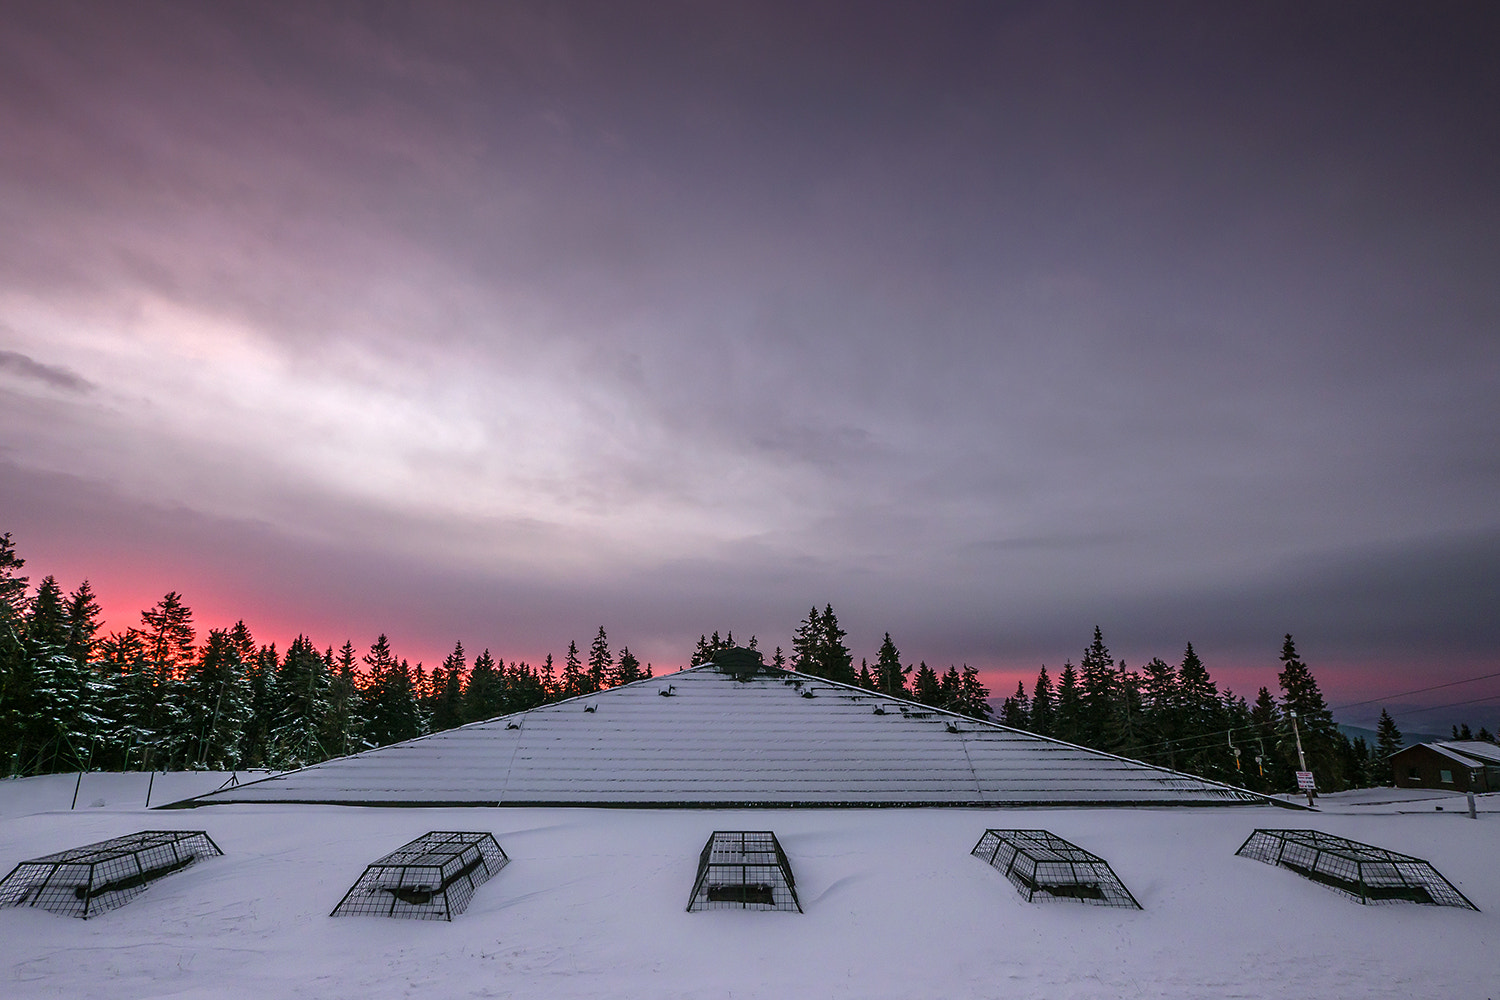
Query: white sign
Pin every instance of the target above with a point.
(1304, 779)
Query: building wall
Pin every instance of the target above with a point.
(1422, 767)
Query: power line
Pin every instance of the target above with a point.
(1403, 694)
(1452, 704)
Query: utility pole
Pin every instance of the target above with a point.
(1301, 757)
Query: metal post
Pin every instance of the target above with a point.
(1473, 811)
(1301, 758)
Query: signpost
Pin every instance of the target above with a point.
(1304, 779)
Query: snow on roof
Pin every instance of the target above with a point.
(1466, 750)
(776, 738)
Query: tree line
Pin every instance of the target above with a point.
(1175, 716)
(162, 695)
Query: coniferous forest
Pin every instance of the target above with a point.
(165, 695)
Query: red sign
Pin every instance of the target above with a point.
(1304, 779)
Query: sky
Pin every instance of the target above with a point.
(984, 323)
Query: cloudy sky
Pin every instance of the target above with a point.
(985, 323)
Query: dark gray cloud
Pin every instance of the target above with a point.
(986, 323)
(54, 376)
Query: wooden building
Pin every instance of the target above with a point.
(1453, 765)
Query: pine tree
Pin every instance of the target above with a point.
(1015, 711)
(12, 587)
(601, 662)
(448, 690)
(1202, 717)
(167, 630)
(926, 688)
(46, 622)
(302, 709)
(573, 681)
(835, 660)
(1388, 741)
(484, 696)
(1043, 705)
(1069, 720)
(82, 612)
(218, 704)
(628, 670)
(865, 680)
(890, 675)
(1097, 695)
(949, 689)
(1300, 694)
(806, 641)
(778, 659)
(342, 735)
(974, 696)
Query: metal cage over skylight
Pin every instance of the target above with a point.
(431, 878)
(86, 881)
(1045, 867)
(744, 870)
(1360, 871)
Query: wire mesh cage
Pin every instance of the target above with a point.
(1360, 871)
(1044, 867)
(744, 870)
(431, 878)
(89, 880)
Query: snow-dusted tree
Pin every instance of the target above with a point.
(218, 703)
(484, 695)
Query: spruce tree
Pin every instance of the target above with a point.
(573, 680)
(46, 621)
(1388, 741)
(926, 688)
(973, 696)
(82, 612)
(304, 703)
(1043, 705)
(865, 680)
(890, 675)
(628, 670)
(806, 642)
(342, 736)
(1300, 694)
(484, 695)
(601, 662)
(1097, 696)
(1069, 720)
(834, 659)
(218, 704)
(1014, 711)
(12, 586)
(949, 689)
(448, 690)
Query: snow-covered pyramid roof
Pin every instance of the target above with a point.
(706, 737)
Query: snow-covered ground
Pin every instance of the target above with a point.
(593, 905)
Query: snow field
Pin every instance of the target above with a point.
(593, 905)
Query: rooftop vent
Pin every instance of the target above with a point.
(1368, 874)
(86, 881)
(738, 662)
(1044, 867)
(744, 870)
(431, 878)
